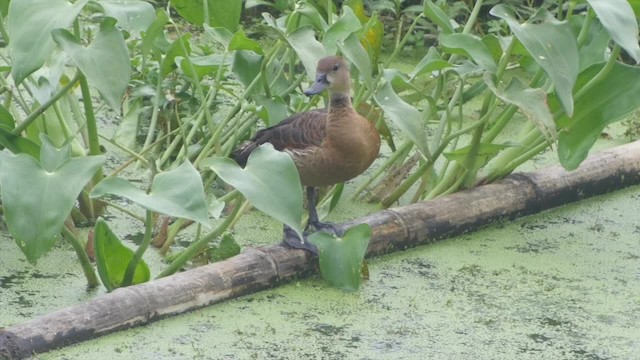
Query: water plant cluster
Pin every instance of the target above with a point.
(187, 82)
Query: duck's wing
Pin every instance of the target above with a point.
(300, 131)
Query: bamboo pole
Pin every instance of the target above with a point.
(258, 269)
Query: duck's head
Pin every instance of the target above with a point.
(332, 73)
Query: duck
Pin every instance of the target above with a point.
(328, 146)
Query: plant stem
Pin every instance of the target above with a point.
(400, 152)
(154, 113)
(415, 176)
(472, 17)
(197, 246)
(87, 268)
(42, 108)
(615, 52)
(133, 264)
(584, 30)
(400, 44)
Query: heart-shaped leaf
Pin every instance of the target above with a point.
(405, 116)
(29, 24)
(309, 50)
(180, 47)
(36, 202)
(240, 41)
(532, 103)
(372, 33)
(107, 54)
(552, 45)
(227, 248)
(18, 144)
(618, 18)
(113, 258)
(222, 13)
(471, 47)
(270, 182)
(341, 258)
(132, 15)
(178, 192)
(353, 50)
(432, 61)
(607, 102)
(154, 32)
(344, 26)
(435, 14)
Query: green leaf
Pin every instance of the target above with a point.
(372, 33)
(153, 32)
(471, 47)
(532, 103)
(607, 102)
(435, 14)
(552, 45)
(353, 50)
(219, 34)
(179, 47)
(246, 67)
(126, 133)
(178, 192)
(240, 41)
(18, 144)
(344, 26)
(270, 182)
(311, 14)
(274, 109)
(593, 50)
(618, 18)
(309, 50)
(430, 62)
(107, 54)
(6, 118)
(4, 8)
(221, 13)
(227, 248)
(404, 116)
(112, 258)
(29, 24)
(132, 15)
(635, 5)
(52, 158)
(36, 202)
(341, 258)
(203, 65)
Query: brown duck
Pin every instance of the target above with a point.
(328, 146)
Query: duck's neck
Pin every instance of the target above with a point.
(340, 102)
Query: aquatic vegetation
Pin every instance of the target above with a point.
(186, 94)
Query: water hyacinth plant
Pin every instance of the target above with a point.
(187, 89)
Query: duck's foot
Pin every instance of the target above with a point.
(326, 227)
(291, 239)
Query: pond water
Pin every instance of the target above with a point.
(562, 284)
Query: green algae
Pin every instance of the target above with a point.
(562, 284)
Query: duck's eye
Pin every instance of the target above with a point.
(336, 67)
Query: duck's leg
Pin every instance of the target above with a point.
(314, 221)
(293, 240)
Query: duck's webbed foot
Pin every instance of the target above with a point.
(292, 240)
(325, 227)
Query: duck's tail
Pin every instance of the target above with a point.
(241, 154)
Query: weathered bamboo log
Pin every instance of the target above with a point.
(262, 268)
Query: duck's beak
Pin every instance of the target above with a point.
(320, 84)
